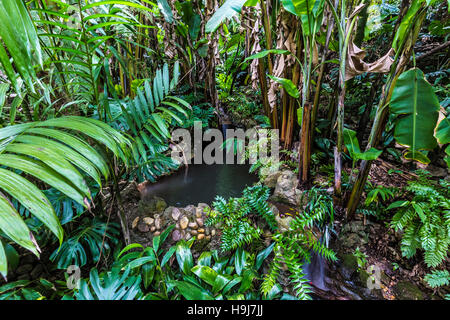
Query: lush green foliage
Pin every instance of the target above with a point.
(233, 217)
(425, 220)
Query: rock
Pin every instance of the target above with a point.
(213, 232)
(184, 221)
(352, 294)
(37, 271)
(157, 222)
(199, 222)
(28, 259)
(176, 235)
(156, 204)
(24, 277)
(207, 231)
(201, 236)
(176, 213)
(200, 211)
(437, 171)
(143, 227)
(149, 220)
(353, 235)
(194, 232)
(190, 210)
(406, 290)
(271, 179)
(188, 236)
(153, 229)
(24, 269)
(286, 189)
(283, 223)
(193, 225)
(201, 230)
(348, 266)
(157, 233)
(208, 238)
(135, 222)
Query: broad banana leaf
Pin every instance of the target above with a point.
(417, 109)
(309, 11)
(352, 145)
(227, 11)
(442, 135)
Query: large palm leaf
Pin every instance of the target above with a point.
(18, 35)
(148, 118)
(53, 152)
(79, 39)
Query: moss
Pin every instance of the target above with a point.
(405, 290)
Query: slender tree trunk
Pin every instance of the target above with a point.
(400, 63)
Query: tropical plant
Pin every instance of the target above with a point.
(233, 217)
(425, 221)
(150, 264)
(293, 248)
(217, 277)
(109, 285)
(147, 118)
(95, 235)
(50, 151)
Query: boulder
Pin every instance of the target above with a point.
(286, 189)
(406, 290)
(271, 179)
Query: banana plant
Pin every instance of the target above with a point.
(403, 43)
(417, 109)
(53, 153)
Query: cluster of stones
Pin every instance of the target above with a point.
(189, 221)
(29, 268)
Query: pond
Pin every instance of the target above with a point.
(202, 183)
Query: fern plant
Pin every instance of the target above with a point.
(293, 247)
(425, 220)
(147, 119)
(232, 217)
(52, 152)
(438, 278)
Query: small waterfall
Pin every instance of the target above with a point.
(315, 270)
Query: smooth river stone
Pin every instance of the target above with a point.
(200, 222)
(158, 223)
(142, 227)
(176, 213)
(201, 236)
(184, 222)
(149, 220)
(201, 230)
(176, 235)
(193, 225)
(135, 222)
